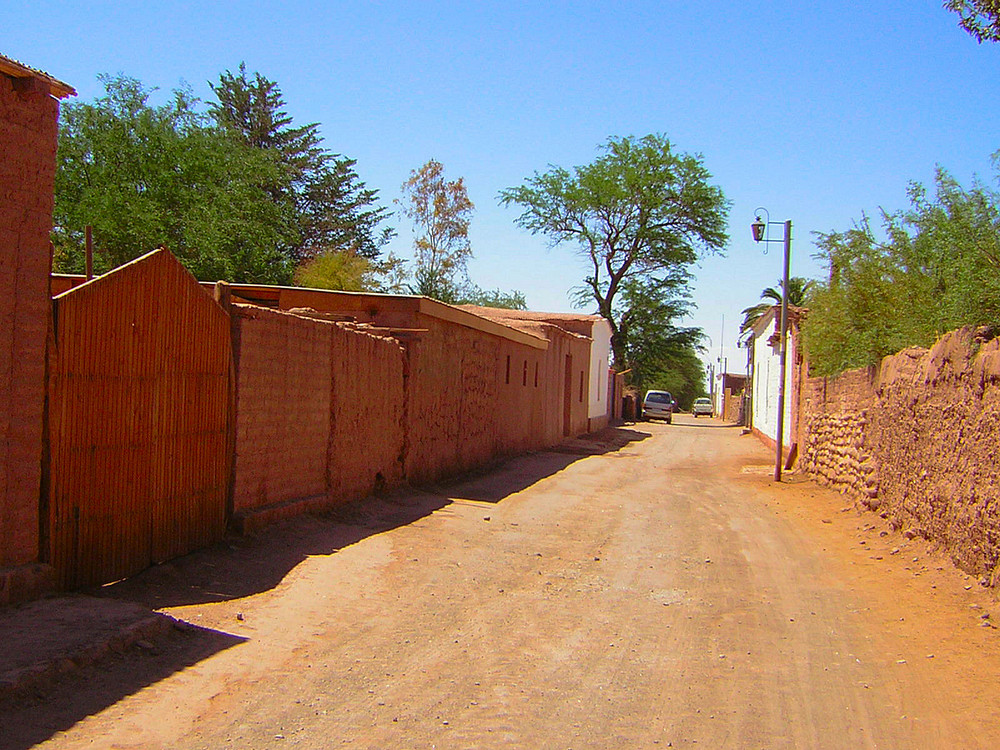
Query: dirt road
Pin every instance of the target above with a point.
(665, 594)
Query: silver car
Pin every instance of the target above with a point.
(658, 405)
(702, 406)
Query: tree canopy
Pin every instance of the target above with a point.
(234, 191)
(981, 18)
(640, 215)
(933, 268)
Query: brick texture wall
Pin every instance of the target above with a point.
(28, 129)
(319, 410)
(916, 441)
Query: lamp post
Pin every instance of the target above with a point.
(760, 234)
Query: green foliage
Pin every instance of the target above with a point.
(238, 195)
(683, 375)
(145, 176)
(936, 269)
(798, 287)
(981, 18)
(329, 206)
(640, 214)
(512, 300)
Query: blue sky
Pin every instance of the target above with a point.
(819, 111)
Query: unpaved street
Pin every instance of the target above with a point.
(661, 594)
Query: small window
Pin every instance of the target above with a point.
(524, 374)
(507, 378)
(582, 373)
(536, 374)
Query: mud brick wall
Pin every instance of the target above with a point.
(318, 412)
(28, 129)
(917, 441)
(474, 397)
(452, 399)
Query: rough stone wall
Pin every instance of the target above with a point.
(835, 418)
(917, 442)
(28, 129)
(319, 410)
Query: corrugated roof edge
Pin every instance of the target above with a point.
(15, 69)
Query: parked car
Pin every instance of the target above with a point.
(658, 405)
(702, 406)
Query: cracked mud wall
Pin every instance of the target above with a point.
(917, 440)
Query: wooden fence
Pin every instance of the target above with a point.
(138, 425)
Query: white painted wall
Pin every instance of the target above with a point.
(600, 357)
(766, 374)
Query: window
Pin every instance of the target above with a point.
(524, 374)
(507, 378)
(536, 374)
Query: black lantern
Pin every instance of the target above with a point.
(758, 228)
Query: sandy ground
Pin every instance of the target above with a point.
(662, 592)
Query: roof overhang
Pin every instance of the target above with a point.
(31, 77)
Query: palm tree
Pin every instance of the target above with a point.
(798, 287)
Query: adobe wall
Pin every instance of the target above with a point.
(28, 129)
(461, 409)
(917, 441)
(318, 411)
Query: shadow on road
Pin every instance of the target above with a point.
(35, 716)
(242, 566)
(237, 567)
(498, 482)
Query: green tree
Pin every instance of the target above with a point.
(981, 18)
(145, 176)
(513, 300)
(933, 268)
(798, 288)
(640, 214)
(683, 375)
(441, 212)
(325, 201)
(658, 351)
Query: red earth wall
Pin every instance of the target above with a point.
(916, 441)
(318, 414)
(474, 396)
(28, 129)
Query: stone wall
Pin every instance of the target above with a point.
(28, 128)
(916, 440)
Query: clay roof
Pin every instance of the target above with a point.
(15, 69)
(498, 313)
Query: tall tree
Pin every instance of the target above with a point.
(441, 212)
(329, 206)
(145, 175)
(933, 268)
(640, 214)
(981, 18)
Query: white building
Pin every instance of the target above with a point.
(765, 376)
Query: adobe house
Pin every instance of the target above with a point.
(29, 126)
(594, 328)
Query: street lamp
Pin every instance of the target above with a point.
(760, 234)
